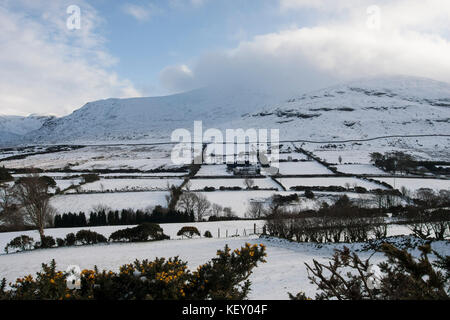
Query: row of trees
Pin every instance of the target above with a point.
(108, 217)
(396, 161)
(198, 205)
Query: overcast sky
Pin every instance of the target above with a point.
(158, 47)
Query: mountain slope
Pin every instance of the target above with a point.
(149, 118)
(13, 128)
(361, 109)
(355, 110)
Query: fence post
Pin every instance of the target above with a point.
(254, 228)
(227, 234)
(218, 232)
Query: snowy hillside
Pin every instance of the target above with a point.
(12, 128)
(362, 109)
(355, 110)
(150, 119)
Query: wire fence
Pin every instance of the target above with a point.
(231, 233)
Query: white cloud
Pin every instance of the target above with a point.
(47, 68)
(138, 12)
(141, 12)
(412, 40)
(179, 4)
(177, 78)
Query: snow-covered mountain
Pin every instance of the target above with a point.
(362, 109)
(13, 128)
(358, 109)
(150, 119)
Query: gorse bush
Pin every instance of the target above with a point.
(224, 277)
(188, 232)
(141, 233)
(89, 237)
(70, 239)
(208, 234)
(46, 242)
(20, 243)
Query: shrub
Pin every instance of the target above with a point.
(47, 242)
(142, 233)
(5, 175)
(223, 278)
(48, 181)
(21, 243)
(90, 237)
(60, 242)
(70, 239)
(208, 234)
(91, 177)
(309, 194)
(188, 232)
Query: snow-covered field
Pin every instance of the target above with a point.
(213, 170)
(364, 169)
(99, 157)
(239, 227)
(329, 181)
(117, 201)
(413, 184)
(130, 185)
(284, 271)
(239, 201)
(303, 168)
(200, 184)
(292, 156)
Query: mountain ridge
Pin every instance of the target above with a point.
(360, 108)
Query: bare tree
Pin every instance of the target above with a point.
(201, 206)
(255, 210)
(228, 212)
(216, 210)
(9, 210)
(187, 201)
(34, 199)
(249, 183)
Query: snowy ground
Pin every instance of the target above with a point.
(303, 168)
(329, 181)
(364, 169)
(200, 184)
(213, 170)
(99, 157)
(414, 184)
(284, 271)
(130, 185)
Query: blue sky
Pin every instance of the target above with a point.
(169, 34)
(136, 48)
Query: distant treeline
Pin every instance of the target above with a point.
(122, 217)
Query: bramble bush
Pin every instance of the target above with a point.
(224, 277)
(141, 233)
